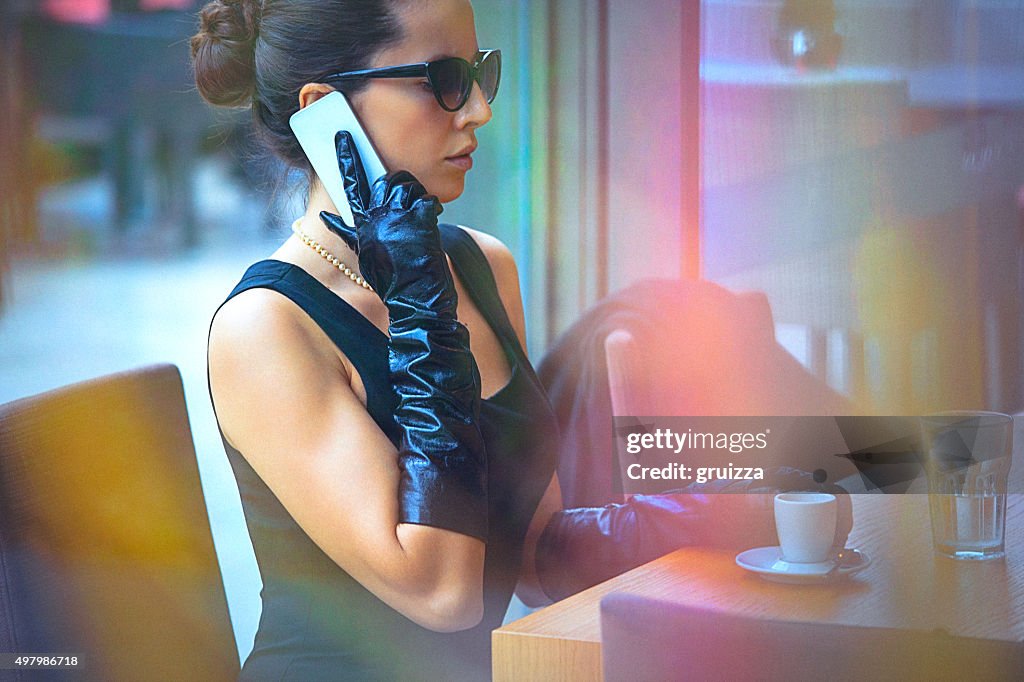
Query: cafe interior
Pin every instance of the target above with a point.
(774, 209)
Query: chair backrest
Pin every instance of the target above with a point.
(646, 639)
(625, 372)
(105, 544)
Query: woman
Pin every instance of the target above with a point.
(393, 447)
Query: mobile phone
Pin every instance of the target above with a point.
(315, 127)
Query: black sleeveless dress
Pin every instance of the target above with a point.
(318, 623)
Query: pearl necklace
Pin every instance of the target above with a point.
(329, 257)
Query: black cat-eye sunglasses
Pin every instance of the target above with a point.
(451, 78)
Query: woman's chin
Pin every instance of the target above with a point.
(450, 190)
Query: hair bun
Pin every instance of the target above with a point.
(223, 57)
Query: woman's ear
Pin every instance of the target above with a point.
(311, 92)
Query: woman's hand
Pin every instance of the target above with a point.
(441, 454)
(395, 234)
(581, 547)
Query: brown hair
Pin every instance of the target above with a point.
(258, 54)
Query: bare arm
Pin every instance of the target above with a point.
(284, 399)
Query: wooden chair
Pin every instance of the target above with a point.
(645, 639)
(105, 544)
(624, 368)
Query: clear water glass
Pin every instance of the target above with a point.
(968, 457)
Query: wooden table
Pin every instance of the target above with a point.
(898, 590)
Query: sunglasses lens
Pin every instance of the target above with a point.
(489, 75)
(451, 80)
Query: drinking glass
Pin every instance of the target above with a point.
(968, 456)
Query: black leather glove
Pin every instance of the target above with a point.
(582, 547)
(441, 453)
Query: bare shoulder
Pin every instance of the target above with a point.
(502, 263)
(487, 242)
(259, 306)
(257, 322)
(506, 275)
(262, 348)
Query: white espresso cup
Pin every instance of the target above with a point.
(806, 523)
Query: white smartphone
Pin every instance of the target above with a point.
(315, 127)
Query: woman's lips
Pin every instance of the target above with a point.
(463, 162)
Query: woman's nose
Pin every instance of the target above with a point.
(476, 111)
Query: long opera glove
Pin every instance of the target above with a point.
(441, 454)
(582, 547)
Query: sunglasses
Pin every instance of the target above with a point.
(451, 79)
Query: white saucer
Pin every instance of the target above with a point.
(768, 563)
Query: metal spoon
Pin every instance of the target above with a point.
(847, 558)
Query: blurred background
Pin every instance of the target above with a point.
(861, 162)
